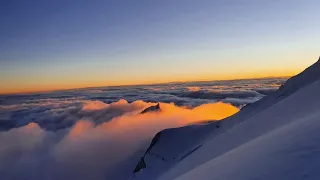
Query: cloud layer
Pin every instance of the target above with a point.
(99, 133)
(104, 139)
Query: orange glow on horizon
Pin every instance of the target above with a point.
(185, 78)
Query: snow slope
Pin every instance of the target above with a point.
(268, 139)
(289, 152)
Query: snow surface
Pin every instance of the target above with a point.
(275, 138)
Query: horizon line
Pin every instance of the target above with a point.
(137, 84)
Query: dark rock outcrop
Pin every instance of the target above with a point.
(155, 108)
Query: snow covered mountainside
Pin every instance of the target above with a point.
(277, 137)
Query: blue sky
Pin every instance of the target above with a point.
(66, 44)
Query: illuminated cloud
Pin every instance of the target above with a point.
(94, 105)
(95, 151)
(193, 88)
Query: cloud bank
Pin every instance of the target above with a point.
(86, 139)
(94, 133)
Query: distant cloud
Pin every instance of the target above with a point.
(266, 91)
(94, 105)
(193, 88)
(62, 109)
(220, 94)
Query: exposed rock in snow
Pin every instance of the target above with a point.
(152, 109)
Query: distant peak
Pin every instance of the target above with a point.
(152, 109)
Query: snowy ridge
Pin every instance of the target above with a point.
(169, 147)
(205, 149)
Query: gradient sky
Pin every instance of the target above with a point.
(61, 44)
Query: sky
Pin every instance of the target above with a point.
(61, 44)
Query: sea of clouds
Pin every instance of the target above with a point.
(100, 133)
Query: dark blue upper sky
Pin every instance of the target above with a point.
(59, 44)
